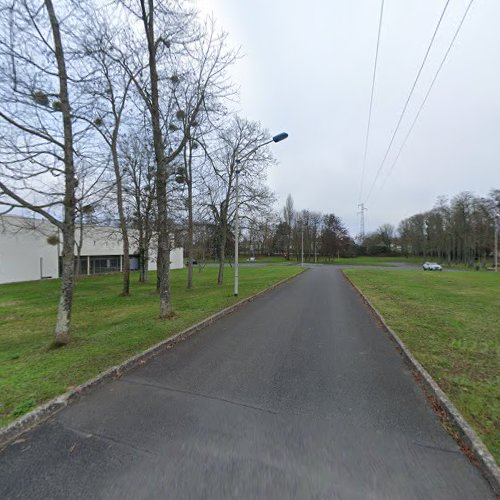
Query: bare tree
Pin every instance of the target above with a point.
(92, 192)
(111, 87)
(37, 128)
(459, 230)
(335, 240)
(386, 234)
(195, 159)
(174, 45)
(236, 141)
(140, 188)
(188, 179)
(315, 225)
(203, 75)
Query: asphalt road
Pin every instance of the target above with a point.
(298, 394)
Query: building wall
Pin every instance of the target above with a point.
(103, 241)
(26, 255)
(177, 258)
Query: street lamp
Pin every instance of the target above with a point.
(497, 216)
(276, 138)
(302, 246)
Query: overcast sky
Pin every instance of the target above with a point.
(308, 68)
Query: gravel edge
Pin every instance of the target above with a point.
(12, 431)
(483, 458)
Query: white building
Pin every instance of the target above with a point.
(30, 250)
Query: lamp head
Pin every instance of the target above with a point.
(280, 137)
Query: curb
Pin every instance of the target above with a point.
(483, 458)
(35, 417)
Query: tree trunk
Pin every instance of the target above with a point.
(190, 239)
(163, 248)
(147, 243)
(142, 257)
(144, 240)
(145, 264)
(63, 325)
(161, 167)
(121, 213)
(77, 262)
(164, 275)
(222, 254)
(79, 245)
(158, 260)
(141, 265)
(188, 165)
(126, 265)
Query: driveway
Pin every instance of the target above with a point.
(299, 394)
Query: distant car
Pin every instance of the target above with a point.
(251, 259)
(431, 266)
(195, 262)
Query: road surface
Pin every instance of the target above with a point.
(298, 394)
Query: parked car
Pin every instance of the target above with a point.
(431, 266)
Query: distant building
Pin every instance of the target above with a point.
(30, 249)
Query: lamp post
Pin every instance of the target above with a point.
(276, 138)
(302, 245)
(496, 241)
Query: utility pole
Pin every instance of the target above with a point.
(361, 212)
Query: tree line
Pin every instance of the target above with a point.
(289, 234)
(457, 230)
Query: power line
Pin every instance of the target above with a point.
(408, 98)
(428, 92)
(371, 100)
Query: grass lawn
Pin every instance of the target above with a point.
(107, 328)
(356, 261)
(342, 261)
(261, 259)
(451, 323)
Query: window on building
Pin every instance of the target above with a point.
(104, 264)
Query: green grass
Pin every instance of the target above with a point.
(418, 261)
(451, 323)
(261, 259)
(363, 261)
(107, 328)
(342, 261)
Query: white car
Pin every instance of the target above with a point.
(432, 266)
